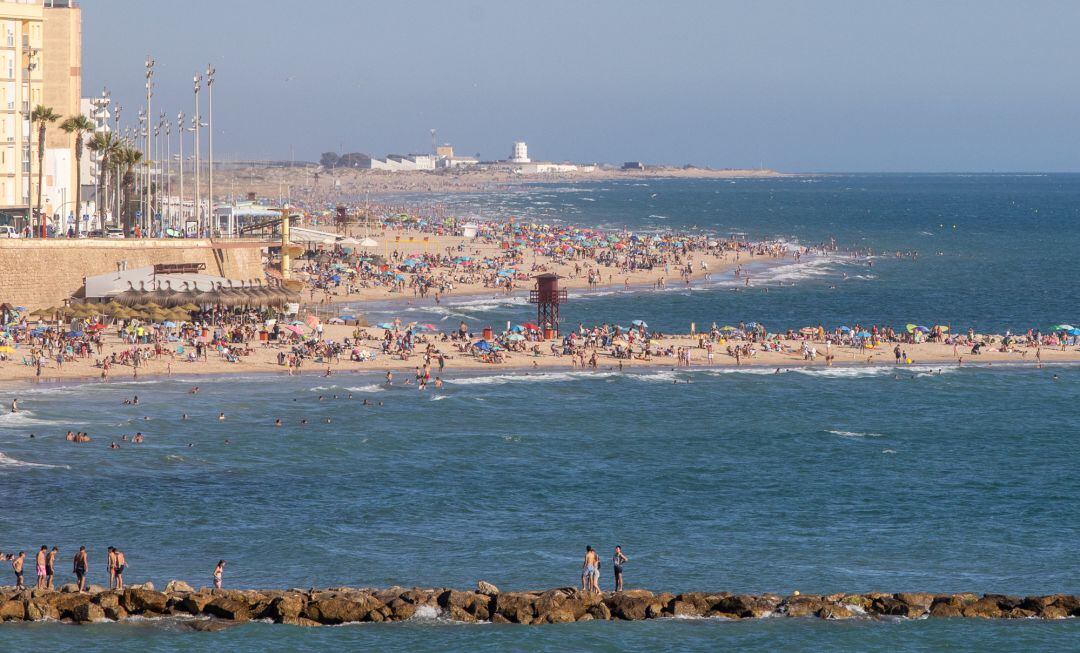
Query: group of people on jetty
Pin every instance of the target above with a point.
(45, 567)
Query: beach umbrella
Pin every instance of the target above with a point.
(922, 329)
(909, 328)
(728, 327)
(639, 323)
(845, 329)
(517, 328)
(1063, 327)
(1074, 332)
(863, 334)
(482, 345)
(346, 317)
(294, 329)
(386, 325)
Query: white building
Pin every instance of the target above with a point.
(520, 153)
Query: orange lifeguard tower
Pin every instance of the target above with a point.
(548, 297)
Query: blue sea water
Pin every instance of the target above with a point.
(842, 479)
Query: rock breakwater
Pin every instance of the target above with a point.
(221, 608)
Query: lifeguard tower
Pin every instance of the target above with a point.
(548, 297)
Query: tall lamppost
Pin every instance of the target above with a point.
(28, 111)
(140, 176)
(195, 127)
(116, 134)
(147, 207)
(180, 132)
(168, 169)
(210, 141)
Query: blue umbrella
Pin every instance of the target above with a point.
(385, 325)
(168, 325)
(863, 334)
(923, 329)
(346, 317)
(1074, 332)
(639, 323)
(845, 329)
(517, 328)
(482, 345)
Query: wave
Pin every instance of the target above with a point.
(23, 418)
(6, 461)
(842, 372)
(661, 376)
(371, 387)
(855, 434)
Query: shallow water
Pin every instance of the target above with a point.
(820, 481)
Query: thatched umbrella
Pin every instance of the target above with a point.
(162, 296)
(158, 314)
(130, 297)
(179, 315)
(125, 314)
(189, 307)
(43, 312)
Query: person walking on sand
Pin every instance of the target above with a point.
(121, 565)
(50, 566)
(590, 571)
(39, 563)
(17, 567)
(81, 566)
(617, 560)
(218, 571)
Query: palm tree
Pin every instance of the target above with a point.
(127, 158)
(78, 125)
(41, 116)
(106, 145)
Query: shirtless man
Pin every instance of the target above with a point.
(39, 562)
(121, 564)
(50, 566)
(17, 566)
(590, 571)
(111, 566)
(81, 566)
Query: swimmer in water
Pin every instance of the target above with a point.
(277, 422)
(14, 405)
(303, 421)
(221, 416)
(184, 416)
(327, 420)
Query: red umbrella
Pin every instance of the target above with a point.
(530, 326)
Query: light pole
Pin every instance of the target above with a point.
(116, 134)
(168, 169)
(147, 206)
(210, 142)
(180, 133)
(195, 127)
(141, 187)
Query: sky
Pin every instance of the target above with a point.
(824, 86)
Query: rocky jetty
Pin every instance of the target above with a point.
(221, 608)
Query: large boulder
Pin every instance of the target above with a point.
(474, 603)
(177, 586)
(984, 608)
(13, 610)
(802, 605)
(484, 587)
(339, 610)
(634, 605)
(140, 601)
(41, 610)
(918, 603)
(285, 609)
(947, 607)
(86, 613)
(69, 588)
(194, 603)
(835, 611)
(225, 607)
(515, 607)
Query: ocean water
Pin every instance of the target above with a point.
(843, 479)
(995, 252)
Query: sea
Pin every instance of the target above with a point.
(927, 478)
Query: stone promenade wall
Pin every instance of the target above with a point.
(39, 273)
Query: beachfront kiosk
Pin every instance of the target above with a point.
(547, 297)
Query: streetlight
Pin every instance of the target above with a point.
(116, 132)
(180, 132)
(195, 127)
(210, 139)
(147, 207)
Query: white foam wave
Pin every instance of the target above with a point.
(6, 461)
(855, 434)
(22, 418)
(371, 387)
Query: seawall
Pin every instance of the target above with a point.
(347, 605)
(38, 273)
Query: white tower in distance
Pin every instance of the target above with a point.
(520, 153)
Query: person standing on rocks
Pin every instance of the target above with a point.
(111, 566)
(121, 565)
(50, 565)
(590, 571)
(39, 563)
(17, 566)
(218, 571)
(618, 559)
(81, 565)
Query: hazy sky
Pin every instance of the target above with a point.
(797, 86)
